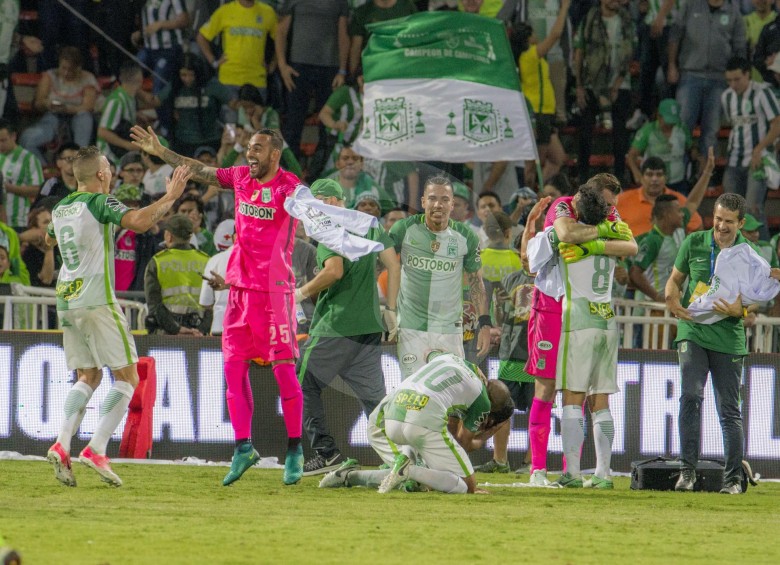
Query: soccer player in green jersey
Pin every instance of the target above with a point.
(94, 330)
(442, 411)
(346, 331)
(436, 251)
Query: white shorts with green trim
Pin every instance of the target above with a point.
(97, 336)
(587, 361)
(414, 346)
(439, 450)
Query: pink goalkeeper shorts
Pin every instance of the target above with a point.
(259, 324)
(544, 333)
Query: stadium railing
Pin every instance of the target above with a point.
(27, 308)
(650, 325)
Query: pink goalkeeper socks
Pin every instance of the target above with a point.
(292, 398)
(239, 398)
(539, 432)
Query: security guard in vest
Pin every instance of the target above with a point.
(172, 283)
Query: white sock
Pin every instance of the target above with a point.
(75, 407)
(443, 481)
(111, 412)
(367, 478)
(603, 434)
(573, 435)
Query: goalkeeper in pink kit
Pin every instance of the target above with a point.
(260, 316)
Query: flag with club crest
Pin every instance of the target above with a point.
(443, 86)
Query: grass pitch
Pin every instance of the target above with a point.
(178, 514)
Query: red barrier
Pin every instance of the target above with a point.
(137, 436)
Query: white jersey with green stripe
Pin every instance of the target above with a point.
(22, 168)
(432, 268)
(444, 387)
(82, 225)
(588, 293)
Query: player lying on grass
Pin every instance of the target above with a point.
(442, 411)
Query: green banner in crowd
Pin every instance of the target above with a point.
(443, 86)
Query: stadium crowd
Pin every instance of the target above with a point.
(644, 78)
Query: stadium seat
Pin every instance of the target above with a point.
(137, 435)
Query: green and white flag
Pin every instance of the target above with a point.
(443, 86)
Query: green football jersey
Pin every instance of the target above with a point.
(444, 387)
(350, 306)
(588, 293)
(82, 224)
(432, 267)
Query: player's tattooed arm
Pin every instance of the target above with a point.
(200, 173)
(478, 292)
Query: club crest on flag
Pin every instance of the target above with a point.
(479, 121)
(435, 245)
(390, 119)
(266, 195)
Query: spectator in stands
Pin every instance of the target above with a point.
(65, 182)
(28, 45)
(392, 217)
(132, 251)
(61, 27)
(636, 205)
(191, 205)
(10, 241)
(244, 26)
(157, 171)
(120, 113)
(658, 246)
(754, 113)
(132, 169)
(38, 256)
(489, 204)
(604, 47)
(213, 290)
(172, 283)
(541, 16)
(751, 230)
(304, 264)
(355, 182)
(461, 209)
(371, 12)
(667, 138)
(765, 49)
(65, 95)
(194, 101)
(314, 68)
(342, 115)
(254, 115)
(653, 30)
(368, 203)
(22, 177)
(161, 39)
(555, 187)
(705, 34)
(6, 274)
(499, 257)
(538, 88)
(755, 22)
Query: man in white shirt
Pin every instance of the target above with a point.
(214, 291)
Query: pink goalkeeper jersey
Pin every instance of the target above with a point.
(265, 232)
(561, 208)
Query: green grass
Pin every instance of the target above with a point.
(176, 514)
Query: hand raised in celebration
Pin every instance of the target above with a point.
(146, 140)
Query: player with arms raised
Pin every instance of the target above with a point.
(94, 329)
(260, 315)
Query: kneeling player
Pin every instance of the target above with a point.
(443, 410)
